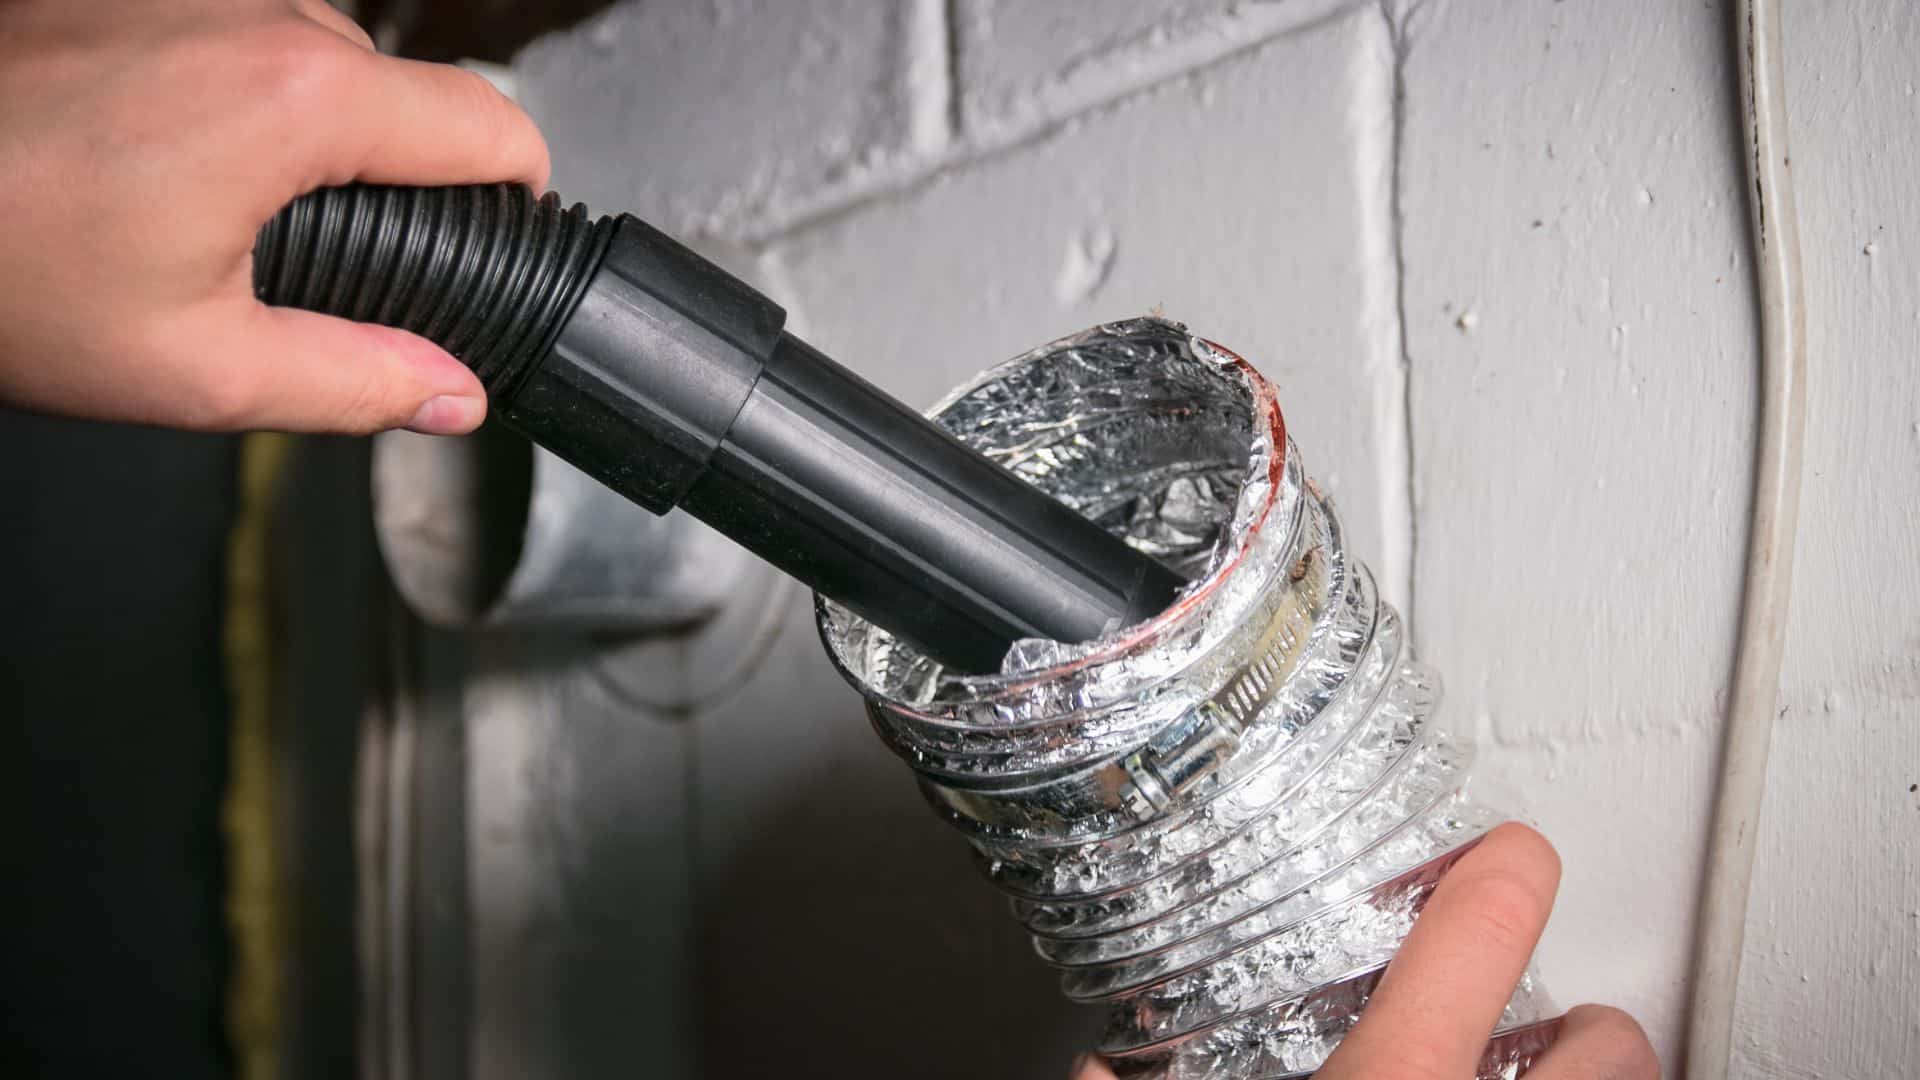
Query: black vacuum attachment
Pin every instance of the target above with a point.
(671, 381)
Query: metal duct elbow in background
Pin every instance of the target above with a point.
(490, 530)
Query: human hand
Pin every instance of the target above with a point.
(1436, 1007)
(143, 144)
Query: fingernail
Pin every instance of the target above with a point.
(1079, 1065)
(448, 414)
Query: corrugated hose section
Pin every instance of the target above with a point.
(487, 272)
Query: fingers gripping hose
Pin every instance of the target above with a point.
(488, 273)
(670, 381)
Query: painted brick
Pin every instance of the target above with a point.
(702, 116)
(1019, 63)
(1580, 322)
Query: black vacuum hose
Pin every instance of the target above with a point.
(486, 272)
(671, 381)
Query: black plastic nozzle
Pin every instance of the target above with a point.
(672, 382)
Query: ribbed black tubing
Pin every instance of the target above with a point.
(487, 272)
(675, 384)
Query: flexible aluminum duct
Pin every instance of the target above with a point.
(1219, 823)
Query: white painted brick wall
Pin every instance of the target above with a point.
(1512, 324)
(1580, 323)
(701, 116)
(1022, 63)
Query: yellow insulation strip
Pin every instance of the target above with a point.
(254, 909)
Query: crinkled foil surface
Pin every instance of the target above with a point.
(1221, 823)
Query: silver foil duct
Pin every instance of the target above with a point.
(1222, 822)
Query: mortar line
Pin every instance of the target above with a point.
(770, 229)
(926, 81)
(950, 15)
(1396, 218)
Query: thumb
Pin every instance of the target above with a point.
(316, 373)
